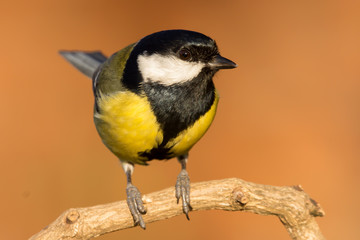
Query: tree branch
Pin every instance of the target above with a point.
(292, 205)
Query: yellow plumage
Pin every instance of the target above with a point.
(127, 126)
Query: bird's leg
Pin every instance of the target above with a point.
(133, 199)
(182, 187)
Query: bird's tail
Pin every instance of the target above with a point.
(85, 62)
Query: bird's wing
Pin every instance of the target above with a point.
(85, 62)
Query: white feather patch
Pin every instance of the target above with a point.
(167, 69)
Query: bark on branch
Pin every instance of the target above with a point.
(291, 204)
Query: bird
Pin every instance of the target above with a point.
(154, 99)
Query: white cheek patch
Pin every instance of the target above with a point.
(167, 69)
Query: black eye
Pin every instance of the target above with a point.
(184, 54)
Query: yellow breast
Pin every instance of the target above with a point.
(128, 126)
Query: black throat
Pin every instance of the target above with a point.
(178, 106)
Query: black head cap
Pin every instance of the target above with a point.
(171, 41)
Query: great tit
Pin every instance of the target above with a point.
(154, 99)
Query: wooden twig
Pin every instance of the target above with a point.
(292, 205)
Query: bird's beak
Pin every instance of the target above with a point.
(220, 62)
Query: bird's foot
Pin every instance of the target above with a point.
(135, 204)
(182, 190)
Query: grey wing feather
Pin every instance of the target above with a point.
(85, 62)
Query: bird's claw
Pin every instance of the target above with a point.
(136, 205)
(182, 190)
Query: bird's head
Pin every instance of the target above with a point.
(174, 57)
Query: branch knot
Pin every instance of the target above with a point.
(72, 216)
(239, 196)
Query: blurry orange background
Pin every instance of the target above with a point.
(289, 114)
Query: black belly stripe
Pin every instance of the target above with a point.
(177, 107)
